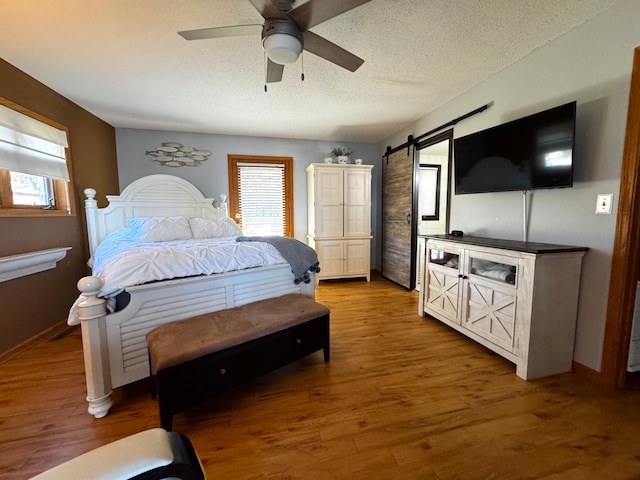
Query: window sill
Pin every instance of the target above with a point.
(15, 266)
(32, 212)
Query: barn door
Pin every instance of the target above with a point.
(398, 250)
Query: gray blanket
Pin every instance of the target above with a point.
(302, 258)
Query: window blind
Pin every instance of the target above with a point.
(30, 146)
(261, 198)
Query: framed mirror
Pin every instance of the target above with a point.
(429, 185)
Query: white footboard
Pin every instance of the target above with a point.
(115, 345)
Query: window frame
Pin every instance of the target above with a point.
(234, 207)
(63, 191)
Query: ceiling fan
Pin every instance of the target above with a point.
(285, 33)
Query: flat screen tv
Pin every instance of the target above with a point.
(526, 154)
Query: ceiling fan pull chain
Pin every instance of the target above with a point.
(265, 72)
(302, 64)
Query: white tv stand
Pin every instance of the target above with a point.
(519, 299)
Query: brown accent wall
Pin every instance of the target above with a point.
(31, 304)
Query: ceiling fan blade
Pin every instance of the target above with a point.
(218, 32)
(314, 12)
(267, 8)
(330, 51)
(274, 71)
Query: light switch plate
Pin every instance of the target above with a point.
(603, 203)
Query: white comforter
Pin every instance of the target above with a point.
(121, 263)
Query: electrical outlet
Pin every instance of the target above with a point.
(603, 203)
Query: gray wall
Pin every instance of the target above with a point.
(592, 65)
(211, 176)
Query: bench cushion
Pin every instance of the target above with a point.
(183, 340)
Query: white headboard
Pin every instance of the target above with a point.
(150, 196)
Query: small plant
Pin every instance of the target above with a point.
(341, 152)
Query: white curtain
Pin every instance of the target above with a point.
(30, 146)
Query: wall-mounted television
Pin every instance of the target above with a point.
(530, 153)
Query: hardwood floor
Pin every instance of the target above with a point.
(403, 397)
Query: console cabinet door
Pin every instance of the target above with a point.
(442, 286)
(490, 311)
(490, 297)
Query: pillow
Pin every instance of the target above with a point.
(160, 229)
(214, 227)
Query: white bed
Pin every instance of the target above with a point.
(115, 350)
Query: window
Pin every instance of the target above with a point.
(34, 164)
(261, 194)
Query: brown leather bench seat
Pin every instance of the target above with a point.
(201, 356)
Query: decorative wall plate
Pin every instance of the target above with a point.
(174, 154)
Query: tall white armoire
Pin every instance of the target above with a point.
(339, 218)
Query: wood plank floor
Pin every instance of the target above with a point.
(403, 397)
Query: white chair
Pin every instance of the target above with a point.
(149, 455)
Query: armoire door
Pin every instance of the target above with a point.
(329, 203)
(397, 205)
(357, 202)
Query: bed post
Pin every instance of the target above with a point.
(90, 209)
(92, 312)
(224, 205)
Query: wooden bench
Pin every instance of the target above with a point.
(199, 357)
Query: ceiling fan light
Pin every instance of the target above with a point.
(282, 48)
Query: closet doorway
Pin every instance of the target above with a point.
(433, 192)
(409, 210)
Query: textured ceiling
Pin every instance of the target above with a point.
(123, 61)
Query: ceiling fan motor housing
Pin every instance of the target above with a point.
(282, 40)
(285, 33)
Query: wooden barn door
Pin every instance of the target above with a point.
(397, 207)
